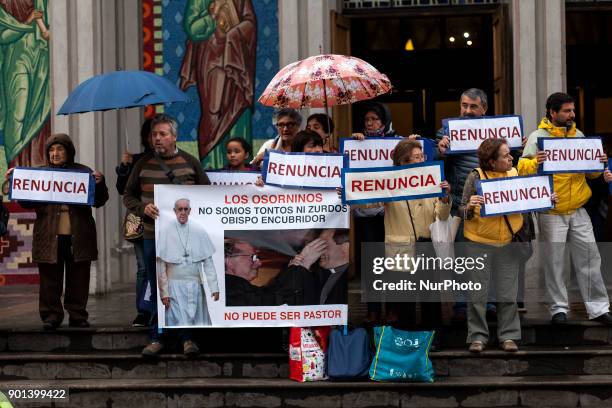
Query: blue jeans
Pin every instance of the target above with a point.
(141, 271)
(151, 275)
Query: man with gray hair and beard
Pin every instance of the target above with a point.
(184, 262)
(166, 164)
(473, 104)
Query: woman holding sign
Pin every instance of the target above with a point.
(406, 223)
(488, 239)
(65, 238)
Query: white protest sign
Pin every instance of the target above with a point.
(370, 152)
(515, 194)
(466, 134)
(245, 237)
(231, 178)
(52, 185)
(376, 151)
(571, 154)
(396, 183)
(309, 170)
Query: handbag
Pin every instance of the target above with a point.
(307, 350)
(133, 227)
(349, 355)
(402, 355)
(524, 251)
(443, 233)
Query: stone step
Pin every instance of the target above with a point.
(535, 333)
(450, 363)
(485, 391)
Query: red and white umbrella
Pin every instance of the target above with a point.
(324, 80)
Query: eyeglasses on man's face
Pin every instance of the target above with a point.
(254, 257)
(288, 125)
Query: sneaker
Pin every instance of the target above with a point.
(476, 347)
(152, 349)
(141, 320)
(190, 349)
(509, 346)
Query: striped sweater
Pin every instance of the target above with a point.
(147, 172)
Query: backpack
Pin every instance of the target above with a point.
(349, 355)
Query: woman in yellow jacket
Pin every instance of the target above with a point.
(488, 238)
(407, 222)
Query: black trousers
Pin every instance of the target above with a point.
(52, 284)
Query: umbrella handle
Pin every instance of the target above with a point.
(127, 139)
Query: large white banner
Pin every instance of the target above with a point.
(240, 256)
(231, 178)
(466, 134)
(308, 170)
(397, 183)
(515, 194)
(52, 185)
(571, 155)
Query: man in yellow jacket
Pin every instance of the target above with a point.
(568, 221)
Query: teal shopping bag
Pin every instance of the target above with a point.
(401, 355)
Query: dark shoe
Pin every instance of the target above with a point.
(79, 324)
(152, 349)
(141, 320)
(190, 349)
(509, 346)
(605, 318)
(476, 347)
(559, 318)
(49, 325)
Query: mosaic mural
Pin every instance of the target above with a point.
(25, 107)
(223, 53)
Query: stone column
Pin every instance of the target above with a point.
(539, 56)
(90, 37)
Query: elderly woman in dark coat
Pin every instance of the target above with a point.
(65, 237)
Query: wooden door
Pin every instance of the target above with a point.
(502, 62)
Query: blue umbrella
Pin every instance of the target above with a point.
(121, 89)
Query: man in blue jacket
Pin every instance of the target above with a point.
(473, 104)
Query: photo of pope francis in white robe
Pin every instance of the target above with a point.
(184, 266)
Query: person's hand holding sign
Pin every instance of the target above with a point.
(445, 186)
(604, 158)
(98, 176)
(475, 200)
(554, 198)
(607, 174)
(166, 302)
(358, 136)
(7, 177)
(151, 211)
(541, 157)
(443, 144)
(215, 296)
